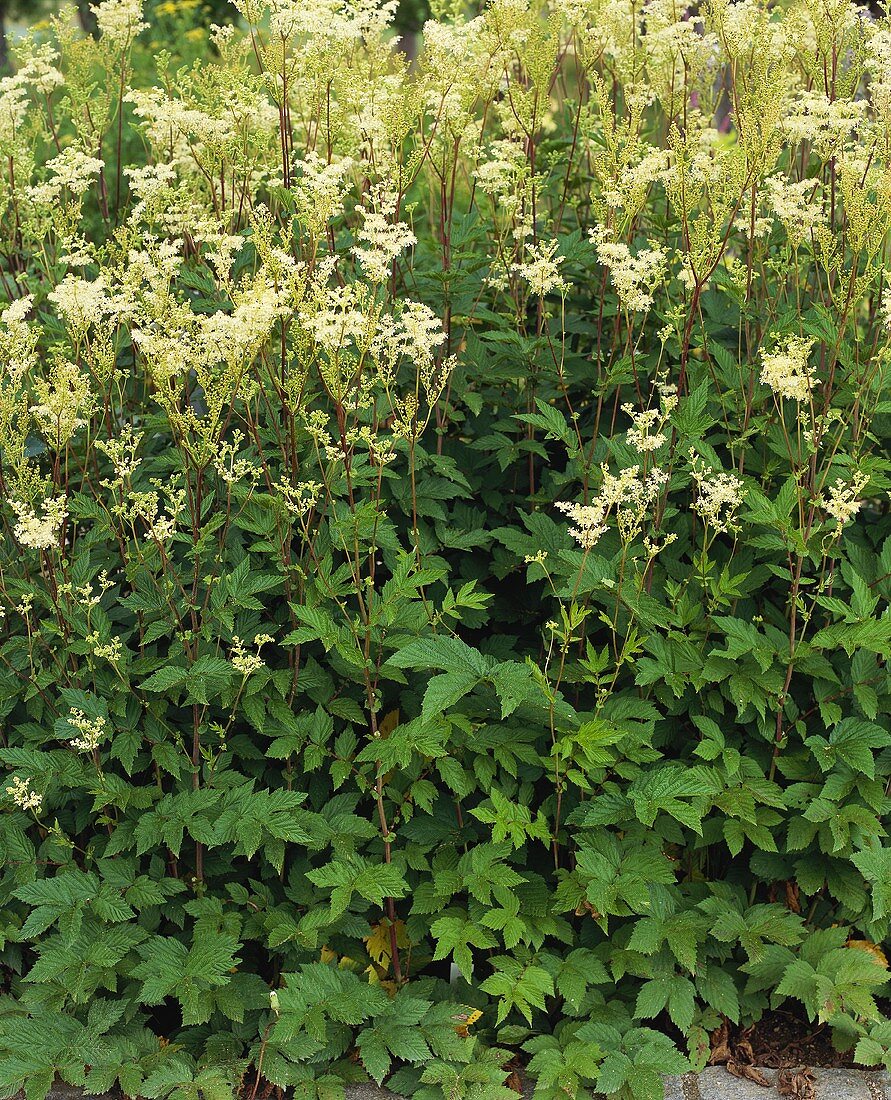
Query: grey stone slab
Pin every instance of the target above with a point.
(674, 1090)
(831, 1084)
(372, 1092)
(61, 1091)
(714, 1083)
(679, 1088)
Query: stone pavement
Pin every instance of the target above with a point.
(718, 1084)
(830, 1084)
(711, 1084)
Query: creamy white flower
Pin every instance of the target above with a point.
(646, 434)
(794, 203)
(64, 402)
(13, 111)
(18, 339)
(237, 336)
(635, 276)
(23, 794)
(38, 67)
(121, 449)
(718, 495)
(840, 501)
(244, 662)
(319, 189)
(541, 269)
(502, 172)
(17, 311)
(786, 371)
(38, 528)
(826, 124)
(383, 241)
(92, 731)
(72, 170)
(300, 498)
(339, 318)
(82, 302)
(230, 466)
(120, 21)
(627, 494)
(654, 548)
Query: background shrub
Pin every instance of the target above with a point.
(446, 556)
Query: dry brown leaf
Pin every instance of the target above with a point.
(797, 1083)
(586, 907)
(721, 1052)
(792, 897)
(867, 945)
(743, 1052)
(747, 1073)
(514, 1082)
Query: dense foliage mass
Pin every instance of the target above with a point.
(446, 557)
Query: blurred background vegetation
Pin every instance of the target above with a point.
(170, 20)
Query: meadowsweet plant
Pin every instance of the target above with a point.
(446, 558)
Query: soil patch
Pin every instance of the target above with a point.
(780, 1040)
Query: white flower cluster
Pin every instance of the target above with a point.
(119, 21)
(642, 437)
(230, 466)
(152, 185)
(38, 66)
(38, 531)
(245, 662)
(338, 21)
(718, 496)
(628, 494)
(794, 204)
(383, 239)
(879, 63)
(183, 132)
(92, 731)
(541, 270)
(300, 498)
(13, 110)
(319, 190)
(414, 334)
(338, 316)
(841, 502)
(224, 247)
(635, 277)
(824, 123)
(742, 22)
(72, 170)
(121, 449)
(628, 186)
(501, 173)
(23, 794)
(786, 371)
(647, 433)
(236, 336)
(64, 402)
(82, 302)
(18, 339)
(457, 67)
